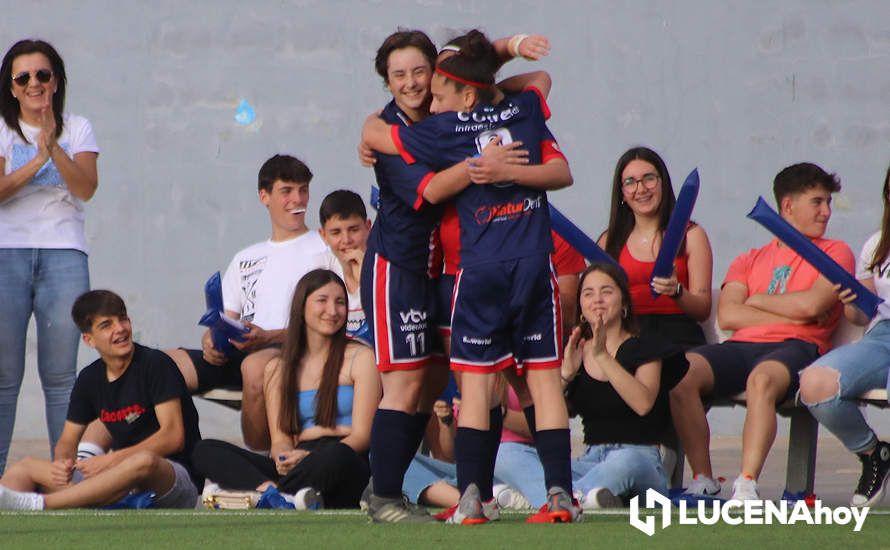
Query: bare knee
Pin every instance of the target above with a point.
(685, 390)
(186, 367)
(21, 467)
(819, 384)
(253, 370)
(141, 465)
(697, 381)
(97, 434)
(764, 385)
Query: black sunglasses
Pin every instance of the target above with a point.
(43, 75)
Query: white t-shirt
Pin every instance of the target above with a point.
(259, 283)
(43, 214)
(881, 276)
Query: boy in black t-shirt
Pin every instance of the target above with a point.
(141, 398)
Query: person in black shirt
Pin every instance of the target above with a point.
(618, 382)
(141, 398)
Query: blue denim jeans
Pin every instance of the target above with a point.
(624, 469)
(519, 467)
(862, 366)
(423, 472)
(44, 282)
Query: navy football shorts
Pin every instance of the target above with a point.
(444, 303)
(400, 308)
(506, 313)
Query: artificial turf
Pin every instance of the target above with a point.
(101, 530)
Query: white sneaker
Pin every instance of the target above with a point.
(600, 497)
(744, 489)
(306, 498)
(16, 500)
(703, 485)
(509, 498)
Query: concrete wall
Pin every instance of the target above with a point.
(738, 88)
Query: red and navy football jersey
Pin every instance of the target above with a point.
(402, 232)
(497, 221)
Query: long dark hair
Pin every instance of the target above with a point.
(477, 61)
(9, 106)
(295, 349)
(628, 318)
(884, 243)
(621, 217)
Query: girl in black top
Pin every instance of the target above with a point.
(617, 381)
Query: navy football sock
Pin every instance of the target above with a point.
(496, 426)
(555, 452)
(471, 449)
(393, 444)
(420, 422)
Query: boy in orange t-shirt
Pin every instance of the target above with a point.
(783, 313)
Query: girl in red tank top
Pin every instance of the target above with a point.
(641, 205)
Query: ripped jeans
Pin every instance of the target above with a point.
(863, 366)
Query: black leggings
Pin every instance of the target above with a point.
(332, 468)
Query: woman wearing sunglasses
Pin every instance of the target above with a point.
(47, 171)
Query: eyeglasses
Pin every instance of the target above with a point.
(42, 75)
(629, 185)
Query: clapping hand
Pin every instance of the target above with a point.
(46, 138)
(575, 349)
(597, 343)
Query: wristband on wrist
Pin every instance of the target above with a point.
(513, 44)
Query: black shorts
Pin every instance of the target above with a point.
(227, 375)
(732, 362)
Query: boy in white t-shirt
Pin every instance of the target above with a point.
(257, 288)
(345, 228)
